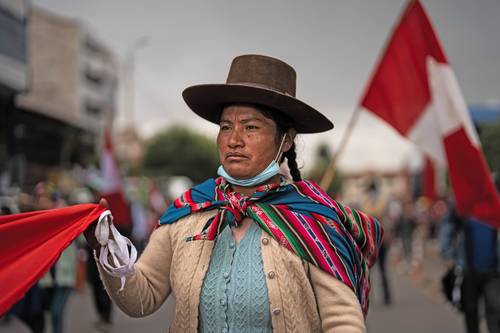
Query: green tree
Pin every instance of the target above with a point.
(322, 160)
(490, 140)
(178, 151)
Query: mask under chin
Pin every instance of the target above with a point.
(270, 171)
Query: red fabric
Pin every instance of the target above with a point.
(429, 179)
(32, 242)
(399, 89)
(112, 189)
(120, 209)
(475, 193)
(399, 93)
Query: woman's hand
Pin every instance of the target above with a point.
(89, 233)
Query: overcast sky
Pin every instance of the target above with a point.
(333, 45)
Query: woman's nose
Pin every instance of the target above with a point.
(235, 139)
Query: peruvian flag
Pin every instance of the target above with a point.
(111, 187)
(428, 181)
(415, 91)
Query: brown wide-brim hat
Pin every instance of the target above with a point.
(260, 80)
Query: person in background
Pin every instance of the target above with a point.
(474, 246)
(422, 209)
(375, 205)
(30, 308)
(5, 210)
(59, 282)
(404, 231)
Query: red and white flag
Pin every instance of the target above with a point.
(428, 180)
(415, 90)
(112, 189)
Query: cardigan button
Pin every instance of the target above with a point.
(277, 311)
(271, 274)
(265, 241)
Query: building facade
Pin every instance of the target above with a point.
(13, 80)
(60, 117)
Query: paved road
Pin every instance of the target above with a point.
(417, 308)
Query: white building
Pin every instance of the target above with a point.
(67, 96)
(73, 75)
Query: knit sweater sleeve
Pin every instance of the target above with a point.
(149, 285)
(338, 306)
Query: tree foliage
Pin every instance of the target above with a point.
(322, 160)
(178, 151)
(490, 140)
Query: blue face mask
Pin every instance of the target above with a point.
(272, 170)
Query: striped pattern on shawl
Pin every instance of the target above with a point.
(339, 240)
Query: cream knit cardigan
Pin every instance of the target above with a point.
(302, 298)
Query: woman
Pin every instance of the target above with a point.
(252, 251)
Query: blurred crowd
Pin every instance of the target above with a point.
(44, 304)
(468, 249)
(413, 228)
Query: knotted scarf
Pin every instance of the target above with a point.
(301, 217)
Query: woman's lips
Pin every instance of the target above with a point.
(235, 157)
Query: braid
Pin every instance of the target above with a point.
(292, 163)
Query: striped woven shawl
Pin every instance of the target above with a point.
(339, 240)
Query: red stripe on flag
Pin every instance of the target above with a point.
(399, 90)
(429, 179)
(475, 193)
(112, 189)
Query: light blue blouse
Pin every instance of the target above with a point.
(234, 294)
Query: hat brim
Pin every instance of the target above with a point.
(207, 101)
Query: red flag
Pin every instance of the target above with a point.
(32, 242)
(415, 90)
(429, 179)
(112, 188)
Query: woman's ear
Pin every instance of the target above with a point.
(289, 137)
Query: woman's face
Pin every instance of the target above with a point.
(246, 141)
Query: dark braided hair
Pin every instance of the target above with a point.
(283, 124)
(291, 156)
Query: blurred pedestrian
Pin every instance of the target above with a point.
(474, 247)
(60, 280)
(57, 286)
(375, 205)
(404, 230)
(30, 308)
(5, 210)
(252, 251)
(420, 234)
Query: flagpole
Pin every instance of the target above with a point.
(327, 178)
(331, 168)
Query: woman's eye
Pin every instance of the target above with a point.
(251, 127)
(224, 127)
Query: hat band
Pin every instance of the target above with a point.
(261, 86)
